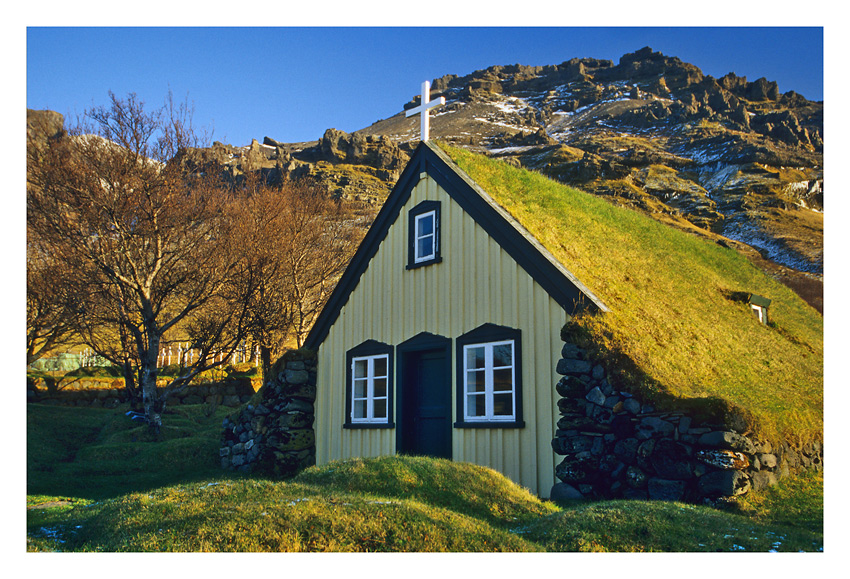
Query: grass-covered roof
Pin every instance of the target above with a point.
(675, 330)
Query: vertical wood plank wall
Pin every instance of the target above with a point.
(476, 283)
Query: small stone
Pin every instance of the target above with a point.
(571, 351)
(726, 483)
(660, 489)
(611, 402)
(295, 376)
(598, 372)
(570, 366)
(723, 459)
(631, 406)
(652, 426)
(570, 387)
(727, 440)
(767, 460)
(635, 477)
(596, 396)
(565, 492)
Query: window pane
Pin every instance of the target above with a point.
(503, 355)
(426, 225)
(503, 380)
(360, 368)
(475, 358)
(359, 409)
(503, 405)
(475, 381)
(360, 388)
(380, 409)
(476, 405)
(425, 246)
(380, 366)
(380, 387)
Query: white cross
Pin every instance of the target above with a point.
(423, 108)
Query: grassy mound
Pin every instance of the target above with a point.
(402, 504)
(97, 482)
(95, 453)
(463, 487)
(674, 330)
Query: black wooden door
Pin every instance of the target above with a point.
(426, 413)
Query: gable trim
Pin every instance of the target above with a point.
(535, 259)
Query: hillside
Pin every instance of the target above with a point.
(728, 159)
(675, 330)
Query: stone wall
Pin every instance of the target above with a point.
(110, 393)
(616, 446)
(273, 434)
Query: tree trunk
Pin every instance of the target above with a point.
(266, 361)
(147, 378)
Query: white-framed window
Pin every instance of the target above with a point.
(490, 385)
(370, 389)
(425, 237)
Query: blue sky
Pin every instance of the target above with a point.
(293, 83)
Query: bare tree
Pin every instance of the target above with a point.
(52, 302)
(301, 240)
(153, 245)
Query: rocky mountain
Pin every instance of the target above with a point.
(729, 159)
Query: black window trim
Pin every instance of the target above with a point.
(483, 334)
(370, 348)
(420, 209)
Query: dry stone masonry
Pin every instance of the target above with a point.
(273, 434)
(616, 446)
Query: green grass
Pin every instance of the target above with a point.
(673, 332)
(98, 499)
(94, 453)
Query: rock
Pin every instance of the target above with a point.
(565, 492)
(726, 483)
(571, 387)
(575, 367)
(767, 460)
(577, 468)
(659, 489)
(635, 477)
(762, 479)
(295, 377)
(631, 406)
(296, 439)
(571, 351)
(652, 427)
(598, 372)
(671, 460)
(596, 396)
(626, 450)
(723, 459)
(728, 440)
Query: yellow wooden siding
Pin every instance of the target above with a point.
(476, 283)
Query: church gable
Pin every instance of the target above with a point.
(424, 243)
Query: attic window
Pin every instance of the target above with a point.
(424, 235)
(759, 306)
